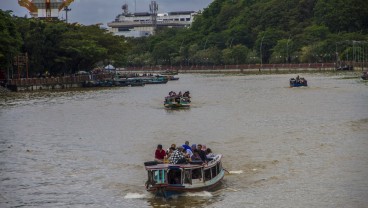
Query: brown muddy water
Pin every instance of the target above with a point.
(284, 147)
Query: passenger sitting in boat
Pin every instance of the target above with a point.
(160, 154)
(186, 94)
(186, 145)
(202, 154)
(209, 153)
(187, 149)
(302, 80)
(172, 94)
(195, 157)
(169, 152)
(177, 157)
(187, 154)
(173, 146)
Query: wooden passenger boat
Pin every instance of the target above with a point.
(168, 179)
(177, 102)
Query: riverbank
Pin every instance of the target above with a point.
(58, 83)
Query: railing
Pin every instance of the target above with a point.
(244, 66)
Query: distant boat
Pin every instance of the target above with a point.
(169, 179)
(365, 75)
(169, 72)
(298, 82)
(344, 67)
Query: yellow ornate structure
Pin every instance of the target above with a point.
(44, 8)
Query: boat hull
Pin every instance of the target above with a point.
(177, 105)
(170, 190)
(298, 85)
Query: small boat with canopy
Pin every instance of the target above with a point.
(170, 179)
(298, 82)
(177, 100)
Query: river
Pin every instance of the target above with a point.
(284, 147)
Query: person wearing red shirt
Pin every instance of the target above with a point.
(160, 154)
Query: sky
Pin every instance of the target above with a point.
(89, 12)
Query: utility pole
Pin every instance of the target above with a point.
(27, 65)
(287, 49)
(66, 9)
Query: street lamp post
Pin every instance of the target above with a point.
(287, 49)
(260, 49)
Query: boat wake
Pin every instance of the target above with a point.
(200, 194)
(135, 196)
(235, 171)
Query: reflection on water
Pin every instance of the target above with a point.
(283, 147)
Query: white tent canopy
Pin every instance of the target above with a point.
(109, 67)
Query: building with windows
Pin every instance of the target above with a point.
(141, 24)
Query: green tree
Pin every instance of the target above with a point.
(342, 15)
(10, 40)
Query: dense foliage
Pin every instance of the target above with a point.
(227, 32)
(57, 47)
(278, 31)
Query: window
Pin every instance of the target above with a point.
(159, 176)
(174, 176)
(188, 176)
(207, 174)
(214, 171)
(197, 173)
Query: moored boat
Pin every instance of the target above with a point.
(135, 82)
(153, 79)
(365, 75)
(169, 72)
(168, 179)
(298, 82)
(171, 77)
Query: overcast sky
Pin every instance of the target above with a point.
(103, 11)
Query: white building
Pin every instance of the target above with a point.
(141, 24)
